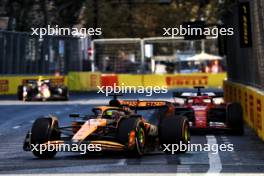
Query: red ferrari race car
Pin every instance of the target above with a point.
(206, 109)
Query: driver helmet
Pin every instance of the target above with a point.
(196, 101)
(109, 113)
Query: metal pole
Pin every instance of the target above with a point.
(142, 43)
(95, 15)
(92, 57)
(203, 46)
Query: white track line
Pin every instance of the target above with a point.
(215, 165)
(16, 127)
(121, 162)
(58, 112)
(183, 169)
(90, 168)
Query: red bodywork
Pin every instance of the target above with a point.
(200, 106)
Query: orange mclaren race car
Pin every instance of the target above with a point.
(206, 109)
(115, 127)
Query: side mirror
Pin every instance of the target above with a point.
(87, 117)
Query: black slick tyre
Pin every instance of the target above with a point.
(174, 130)
(131, 133)
(235, 118)
(42, 131)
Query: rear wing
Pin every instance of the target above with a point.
(179, 95)
(185, 93)
(29, 81)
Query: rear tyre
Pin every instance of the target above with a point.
(175, 130)
(31, 93)
(235, 118)
(20, 92)
(131, 133)
(65, 93)
(44, 130)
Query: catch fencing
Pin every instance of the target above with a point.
(118, 55)
(22, 53)
(149, 55)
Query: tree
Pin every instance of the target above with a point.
(127, 19)
(40, 13)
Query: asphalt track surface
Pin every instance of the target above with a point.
(17, 117)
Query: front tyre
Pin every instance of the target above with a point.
(131, 132)
(44, 130)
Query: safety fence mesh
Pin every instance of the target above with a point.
(22, 53)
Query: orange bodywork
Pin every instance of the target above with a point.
(90, 126)
(133, 103)
(87, 128)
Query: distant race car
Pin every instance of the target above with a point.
(41, 90)
(116, 127)
(206, 109)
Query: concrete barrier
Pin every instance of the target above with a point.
(83, 81)
(252, 101)
(87, 81)
(169, 80)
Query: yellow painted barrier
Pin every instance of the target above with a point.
(185, 80)
(83, 81)
(80, 81)
(173, 80)
(246, 110)
(130, 80)
(244, 103)
(251, 105)
(259, 113)
(87, 81)
(9, 84)
(154, 80)
(252, 101)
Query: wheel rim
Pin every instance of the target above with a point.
(141, 137)
(186, 133)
